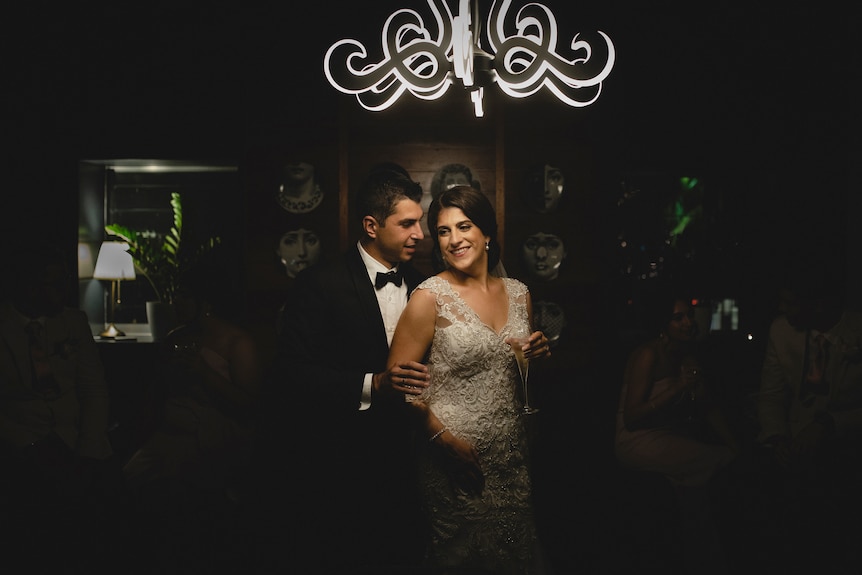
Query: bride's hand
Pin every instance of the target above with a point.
(538, 346)
(461, 461)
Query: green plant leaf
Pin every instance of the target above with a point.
(163, 265)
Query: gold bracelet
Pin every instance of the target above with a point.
(438, 434)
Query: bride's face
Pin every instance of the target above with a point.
(462, 243)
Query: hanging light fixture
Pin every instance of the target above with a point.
(523, 57)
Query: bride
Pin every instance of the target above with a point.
(475, 471)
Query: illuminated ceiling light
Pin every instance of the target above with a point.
(523, 58)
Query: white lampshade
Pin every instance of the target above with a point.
(114, 262)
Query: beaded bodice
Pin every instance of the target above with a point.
(474, 393)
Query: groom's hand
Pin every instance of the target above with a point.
(409, 377)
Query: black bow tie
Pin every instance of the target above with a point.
(393, 276)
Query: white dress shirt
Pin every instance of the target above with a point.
(392, 300)
(784, 369)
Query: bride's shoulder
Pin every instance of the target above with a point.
(433, 282)
(435, 285)
(514, 286)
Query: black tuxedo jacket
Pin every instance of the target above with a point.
(354, 465)
(332, 333)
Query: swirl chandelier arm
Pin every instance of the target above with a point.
(415, 61)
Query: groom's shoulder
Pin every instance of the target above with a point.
(336, 268)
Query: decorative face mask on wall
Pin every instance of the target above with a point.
(297, 250)
(299, 191)
(544, 188)
(542, 255)
(550, 318)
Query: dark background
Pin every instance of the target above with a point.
(755, 93)
(756, 98)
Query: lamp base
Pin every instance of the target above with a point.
(112, 331)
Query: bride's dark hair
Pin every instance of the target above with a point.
(475, 206)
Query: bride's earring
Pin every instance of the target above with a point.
(444, 260)
(487, 246)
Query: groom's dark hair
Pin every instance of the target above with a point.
(384, 187)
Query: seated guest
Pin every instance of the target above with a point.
(669, 423)
(810, 407)
(191, 465)
(58, 486)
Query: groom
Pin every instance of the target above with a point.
(344, 410)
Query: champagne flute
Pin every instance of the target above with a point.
(524, 370)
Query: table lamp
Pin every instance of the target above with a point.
(114, 263)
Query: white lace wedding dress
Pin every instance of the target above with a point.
(474, 393)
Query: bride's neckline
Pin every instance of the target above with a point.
(453, 288)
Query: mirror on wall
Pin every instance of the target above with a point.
(137, 194)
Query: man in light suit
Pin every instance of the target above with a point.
(813, 413)
(810, 397)
(53, 407)
(340, 405)
(810, 410)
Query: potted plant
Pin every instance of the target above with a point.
(161, 261)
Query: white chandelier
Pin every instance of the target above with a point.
(521, 61)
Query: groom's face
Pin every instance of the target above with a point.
(399, 235)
